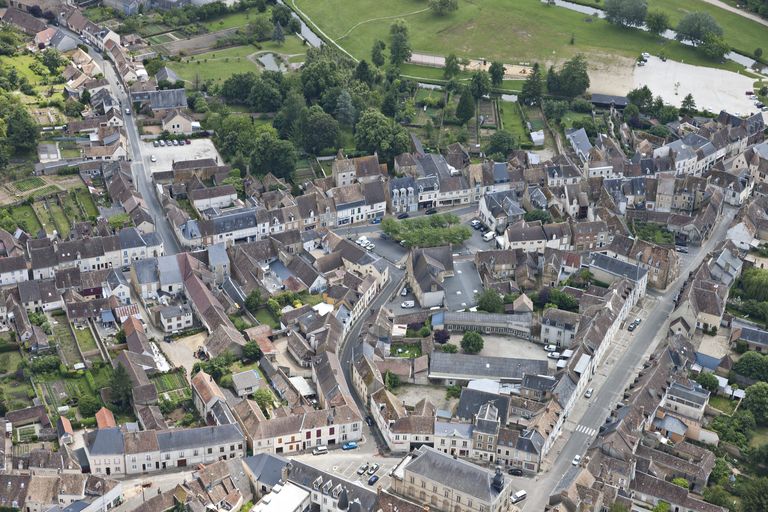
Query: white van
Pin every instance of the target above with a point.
(489, 236)
(320, 450)
(518, 496)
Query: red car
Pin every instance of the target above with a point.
(187, 142)
(749, 93)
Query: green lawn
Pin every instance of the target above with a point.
(17, 394)
(652, 233)
(59, 219)
(63, 337)
(21, 63)
(98, 14)
(25, 215)
(759, 437)
(86, 201)
(512, 120)
(165, 382)
(220, 64)
(9, 361)
(407, 350)
(264, 316)
(29, 183)
(45, 217)
(48, 190)
(743, 34)
(572, 116)
(232, 20)
(85, 340)
(723, 404)
(531, 31)
(160, 39)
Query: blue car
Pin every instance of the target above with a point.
(377, 220)
(349, 446)
(373, 479)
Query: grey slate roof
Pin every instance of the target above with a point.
(105, 441)
(181, 439)
(470, 366)
(463, 476)
(472, 400)
(616, 267)
(146, 271)
(266, 468)
(756, 336)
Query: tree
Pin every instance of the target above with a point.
(449, 348)
(377, 53)
(363, 72)
(121, 388)
(443, 7)
(657, 22)
(278, 35)
(89, 405)
(708, 381)
(626, 13)
(758, 53)
(714, 47)
(754, 495)
(120, 337)
(555, 109)
(642, 97)
(661, 506)
(688, 105)
(696, 26)
(317, 130)
(253, 301)
(489, 300)
(375, 132)
(718, 496)
(320, 75)
(391, 380)
(480, 84)
(441, 336)
(265, 96)
(452, 67)
(399, 45)
(251, 351)
(720, 472)
(752, 365)
(572, 80)
(263, 397)
(261, 28)
(496, 70)
(85, 97)
(681, 482)
(533, 87)
(21, 131)
(466, 107)
(471, 342)
(237, 87)
(273, 155)
(501, 142)
(52, 60)
(756, 401)
(537, 215)
(281, 14)
(631, 113)
(345, 109)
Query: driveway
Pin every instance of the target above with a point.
(181, 351)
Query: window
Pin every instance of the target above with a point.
(221, 449)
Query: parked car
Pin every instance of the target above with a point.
(127, 111)
(370, 246)
(175, 142)
(646, 55)
(403, 216)
(589, 392)
(475, 224)
(515, 471)
(187, 141)
(374, 468)
(362, 241)
(404, 291)
(550, 348)
(369, 421)
(155, 143)
(320, 450)
(362, 469)
(351, 445)
(431, 211)
(377, 220)
(403, 243)
(384, 236)
(373, 479)
(631, 327)
(483, 229)
(153, 158)
(408, 304)
(553, 355)
(749, 93)
(576, 460)
(681, 248)
(162, 143)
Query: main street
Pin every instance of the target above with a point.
(140, 163)
(611, 380)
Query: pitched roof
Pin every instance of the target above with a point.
(105, 418)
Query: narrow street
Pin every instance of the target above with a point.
(611, 379)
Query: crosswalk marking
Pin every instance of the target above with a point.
(586, 430)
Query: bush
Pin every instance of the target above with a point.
(424, 332)
(472, 342)
(741, 347)
(582, 106)
(441, 336)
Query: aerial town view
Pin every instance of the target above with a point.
(383, 256)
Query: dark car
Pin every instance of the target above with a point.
(369, 421)
(373, 479)
(431, 211)
(384, 236)
(515, 471)
(403, 216)
(377, 220)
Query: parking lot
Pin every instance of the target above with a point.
(166, 156)
(509, 346)
(345, 464)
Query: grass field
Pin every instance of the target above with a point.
(512, 120)
(759, 438)
(572, 116)
(723, 404)
(26, 216)
(29, 183)
(21, 63)
(264, 316)
(160, 39)
(407, 350)
(45, 217)
(232, 20)
(9, 361)
(85, 340)
(59, 219)
(48, 190)
(476, 29)
(17, 394)
(220, 64)
(86, 201)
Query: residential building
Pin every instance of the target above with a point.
(559, 327)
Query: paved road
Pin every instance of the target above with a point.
(741, 12)
(608, 393)
(140, 166)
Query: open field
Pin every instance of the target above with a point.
(476, 29)
(233, 20)
(85, 340)
(25, 215)
(722, 403)
(59, 219)
(264, 316)
(86, 201)
(9, 361)
(165, 382)
(220, 64)
(65, 340)
(45, 217)
(512, 120)
(29, 183)
(17, 394)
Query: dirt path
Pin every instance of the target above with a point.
(380, 19)
(740, 12)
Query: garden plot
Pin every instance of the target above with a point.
(65, 341)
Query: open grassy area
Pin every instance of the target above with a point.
(407, 350)
(759, 437)
(531, 31)
(46, 191)
(25, 215)
(572, 116)
(28, 183)
(99, 13)
(59, 219)
(723, 404)
(232, 20)
(45, 217)
(86, 201)
(264, 316)
(220, 64)
(85, 340)
(18, 394)
(512, 120)
(652, 233)
(9, 361)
